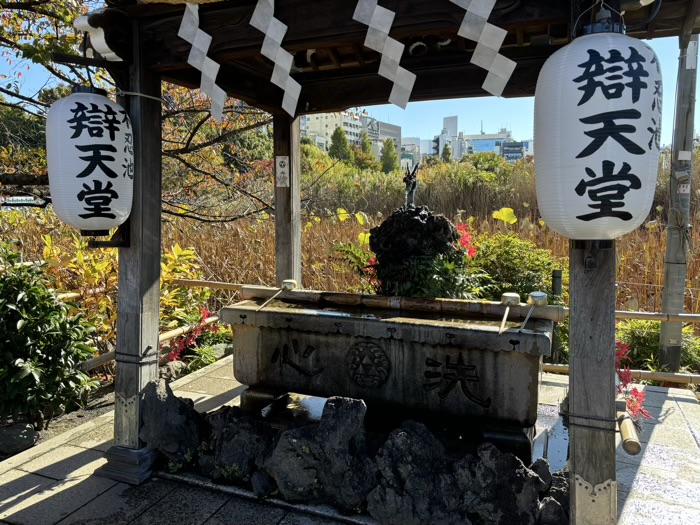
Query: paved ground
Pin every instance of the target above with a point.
(53, 483)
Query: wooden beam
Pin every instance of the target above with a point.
(676, 260)
(592, 391)
(452, 78)
(287, 138)
(139, 280)
(327, 24)
(690, 22)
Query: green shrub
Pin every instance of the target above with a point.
(514, 265)
(199, 357)
(41, 346)
(445, 275)
(643, 338)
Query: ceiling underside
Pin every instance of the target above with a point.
(337, 71)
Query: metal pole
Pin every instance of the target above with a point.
(678, 233)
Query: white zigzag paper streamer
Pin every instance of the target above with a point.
(189, 30)
(379, 20)
(489, 39)
(264, 20)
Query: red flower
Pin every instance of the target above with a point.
(625, 376)
(621, 353)
(635, 400)
(465, 239)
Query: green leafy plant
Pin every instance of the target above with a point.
(41, 346)
(642, 337)
(180, 305)
(444, 275)
(200, 357)
(514, 265)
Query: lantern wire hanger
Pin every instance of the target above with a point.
(600, 14)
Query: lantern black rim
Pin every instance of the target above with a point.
(89, 89)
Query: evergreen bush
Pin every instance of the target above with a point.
(41, 346)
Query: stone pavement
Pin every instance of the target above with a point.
(53, 483)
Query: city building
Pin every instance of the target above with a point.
(489, 142)
(449, 135)
(512, 150)
(379, 131)
(320, 127)
(410, 151)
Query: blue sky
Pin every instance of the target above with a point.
(424, 119)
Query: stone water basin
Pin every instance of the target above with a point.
(448, 365)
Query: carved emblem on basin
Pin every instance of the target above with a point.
(368, 364)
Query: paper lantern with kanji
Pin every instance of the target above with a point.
(90, 155)
(597, 132)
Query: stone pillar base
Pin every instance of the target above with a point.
(127, 465)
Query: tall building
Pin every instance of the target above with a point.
(449, 135)
(450, 125)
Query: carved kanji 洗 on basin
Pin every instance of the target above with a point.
(446, 364)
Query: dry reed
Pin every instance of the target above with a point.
(244, 252)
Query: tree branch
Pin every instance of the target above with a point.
(22, 97)
(23, 5)
(216, 140)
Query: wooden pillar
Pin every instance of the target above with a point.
(287, 139)
(139, 281)
(592, 383)
(676, 262)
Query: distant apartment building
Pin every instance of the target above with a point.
(320, 127)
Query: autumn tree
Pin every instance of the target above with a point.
(389, 157)
(340, 147)
(365, 161)
(213, 171)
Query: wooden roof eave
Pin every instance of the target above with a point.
(329, 26)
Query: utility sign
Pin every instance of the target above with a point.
(282, 171)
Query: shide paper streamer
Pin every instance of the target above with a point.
(189, 31)
(263, 20)
(489, 39)
(379, 20)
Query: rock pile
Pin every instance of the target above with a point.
(410, 480)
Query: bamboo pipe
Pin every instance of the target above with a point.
(456, 306)
(216, 285)
(667, 377)
(444, 306)
(628, 434)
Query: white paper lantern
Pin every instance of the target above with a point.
(90, 155)
(597, 132)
